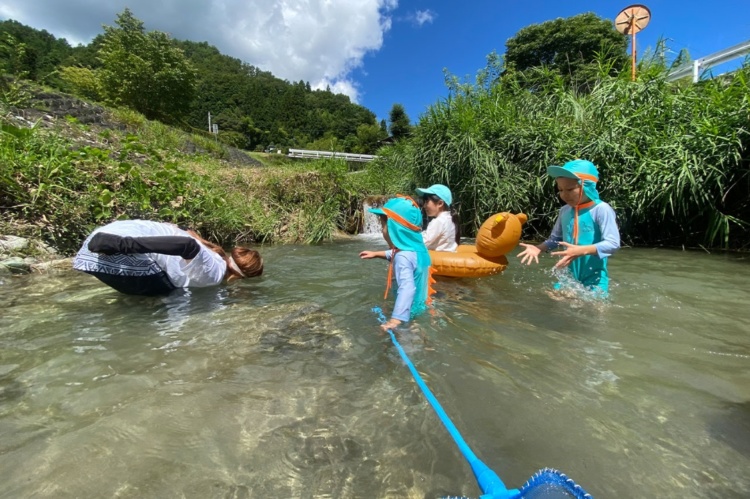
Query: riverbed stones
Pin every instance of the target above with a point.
(10, 244)
(16, 265)
(16, 256)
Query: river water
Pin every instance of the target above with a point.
(284, 386)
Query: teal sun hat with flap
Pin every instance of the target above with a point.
(404, 223)
(582, 170)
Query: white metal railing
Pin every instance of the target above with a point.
(304, 153)
(697, 66)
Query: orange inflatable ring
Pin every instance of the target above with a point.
(497, 236)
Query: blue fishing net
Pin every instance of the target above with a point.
(546, 483)
(552, 484)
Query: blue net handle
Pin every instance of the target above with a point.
(491, 485)
(546, 483)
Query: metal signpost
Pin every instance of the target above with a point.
(630, 21)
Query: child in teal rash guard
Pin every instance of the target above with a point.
(401, 220)
(586, 227)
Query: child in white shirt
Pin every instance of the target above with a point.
(443, 231)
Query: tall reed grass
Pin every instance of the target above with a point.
(673, 157)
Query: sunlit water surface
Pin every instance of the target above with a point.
(283, 386)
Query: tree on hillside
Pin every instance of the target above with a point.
(145, 71)
(86, 56)
(14, 58)
(329, 142)
(270, 103)
(38, 53)
(157, 75)
(568, 45)
(400, 124)
(368, 139)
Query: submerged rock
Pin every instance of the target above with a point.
(11, 244)
(16, 265)
(21, 255)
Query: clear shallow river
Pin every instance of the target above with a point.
(284, 387)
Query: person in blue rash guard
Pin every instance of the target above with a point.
(586, 227)
(401, 220)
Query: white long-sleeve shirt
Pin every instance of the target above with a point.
(207, 268)
(440, 234)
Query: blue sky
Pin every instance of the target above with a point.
(379, 52)
(409, 67)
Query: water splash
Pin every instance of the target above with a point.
(568, 288)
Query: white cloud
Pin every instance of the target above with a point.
(424, 16)
(346, 87)
(319, 41)
(8, 12)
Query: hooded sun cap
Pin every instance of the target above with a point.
(578, 168)
(405, 226)
(582, 170)
(438, 190)
(403, 213)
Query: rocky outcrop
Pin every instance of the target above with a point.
(58, 110)
(20, 255)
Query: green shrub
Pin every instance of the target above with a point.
(81, 81)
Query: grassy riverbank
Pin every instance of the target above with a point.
(673, 157)
(69, 166)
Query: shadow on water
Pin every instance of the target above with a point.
(10, 390)
(732, 427)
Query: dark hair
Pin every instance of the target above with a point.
(249, 261)
(456, 221)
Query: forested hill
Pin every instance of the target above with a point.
(253, 108)
(267, 110)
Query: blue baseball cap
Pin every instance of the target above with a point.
(438, 190)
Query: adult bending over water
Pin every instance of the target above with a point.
(140, 257)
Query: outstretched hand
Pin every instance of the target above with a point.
(570, 253)
(531, 253)
(368, 254)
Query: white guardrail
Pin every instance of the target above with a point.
(304, 153)
(696, 67)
